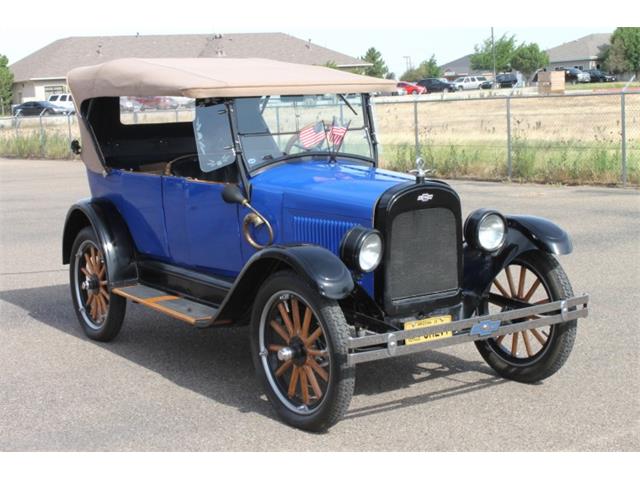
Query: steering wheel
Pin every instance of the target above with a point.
(178, 161)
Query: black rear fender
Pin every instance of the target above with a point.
(112, 233)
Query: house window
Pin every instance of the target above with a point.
(52, 90)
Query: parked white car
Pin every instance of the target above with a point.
(62, 100)
(468, 82)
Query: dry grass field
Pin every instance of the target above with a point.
(570, 139)
(563, 139)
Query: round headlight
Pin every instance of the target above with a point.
(370, 252)
(491, 232)
(361, 249)
(485, 229)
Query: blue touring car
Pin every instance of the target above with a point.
(263, 204)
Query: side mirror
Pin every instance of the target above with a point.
(75, 147)
(231, 193)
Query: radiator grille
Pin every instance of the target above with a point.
(423, 253)
(320, 231)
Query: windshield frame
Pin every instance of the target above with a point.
(367, 126)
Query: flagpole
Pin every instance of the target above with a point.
(343, 137)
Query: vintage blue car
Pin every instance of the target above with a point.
(264, 205)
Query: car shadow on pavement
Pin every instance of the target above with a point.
(216, 363)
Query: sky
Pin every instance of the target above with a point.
(350, 28)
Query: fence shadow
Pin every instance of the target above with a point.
(216, 363)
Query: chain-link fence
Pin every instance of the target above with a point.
(577, 138)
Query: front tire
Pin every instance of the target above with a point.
(538, 279)
(99, 311)
(299, 349)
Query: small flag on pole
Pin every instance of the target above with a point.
(312, 135)
(337, 132)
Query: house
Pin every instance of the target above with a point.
(44, 72)
(582, 53)
(461, 67)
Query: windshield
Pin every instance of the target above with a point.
(271, 128)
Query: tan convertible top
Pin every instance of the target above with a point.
(214, 77)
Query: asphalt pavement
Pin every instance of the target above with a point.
(163, 385)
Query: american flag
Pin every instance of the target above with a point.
(337, 132)
(312, 135)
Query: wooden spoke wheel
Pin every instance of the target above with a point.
(296, 352)
(93, 283)
(299, 346)
(519, 282)
(99, 312)
(529, 356)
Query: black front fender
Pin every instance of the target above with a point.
(319, 267)
(524, 233)
(112, 234)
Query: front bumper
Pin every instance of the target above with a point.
(386, 345)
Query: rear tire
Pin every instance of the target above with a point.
(99, 311)
(546, 350)
(299, 349)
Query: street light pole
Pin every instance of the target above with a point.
(493, 51)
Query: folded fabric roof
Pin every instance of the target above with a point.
(214, 77)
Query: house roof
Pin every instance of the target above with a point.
(214, 77)
(61, 56)
(460, 66)
(585, 48)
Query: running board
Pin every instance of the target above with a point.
(172, 305)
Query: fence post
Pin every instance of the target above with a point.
(415, 126)
(623, 131)
(509, 146)
(69, 127)
(41, 137)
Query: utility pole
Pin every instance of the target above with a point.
(493, 52)
(407, 61)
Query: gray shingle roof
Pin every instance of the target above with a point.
(57, 58)
(461, 66)
(585, 48)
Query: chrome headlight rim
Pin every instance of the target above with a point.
(353, 246)
(473, 224)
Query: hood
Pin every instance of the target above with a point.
(341, 189)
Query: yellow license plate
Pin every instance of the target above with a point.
(427, 322)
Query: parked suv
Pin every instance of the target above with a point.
(272, 211)
(507, 80)
(574, 75)
(469, 82)
(599, 76)
(62, 100)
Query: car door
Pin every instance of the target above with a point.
(203, 231)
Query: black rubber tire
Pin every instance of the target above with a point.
(342, 377)
(562, 336)
(108, 330)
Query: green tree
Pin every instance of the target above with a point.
(378, 68)
(528, 58)
(482, 59)
(6, 84)
(426, 69)
(624, 53)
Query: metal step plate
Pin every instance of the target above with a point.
(172, 305)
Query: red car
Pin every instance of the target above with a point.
(412, 88)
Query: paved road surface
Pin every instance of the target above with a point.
(162, 385)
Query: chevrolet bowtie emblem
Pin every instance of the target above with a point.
(425, 197)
